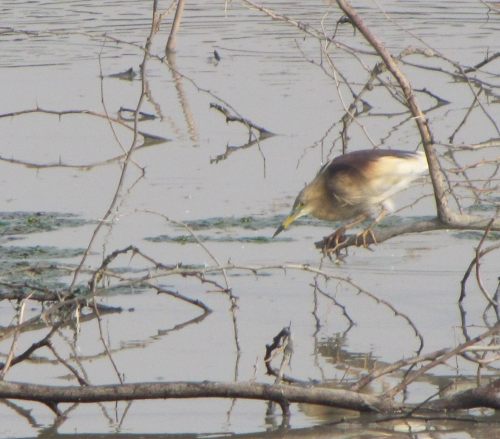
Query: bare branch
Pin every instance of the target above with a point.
(206, 389)
(440, 360)
(172, 38)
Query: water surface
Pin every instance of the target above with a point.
(53, 57)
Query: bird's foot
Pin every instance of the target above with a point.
(365, 238)
(334, 242)
(337, 241)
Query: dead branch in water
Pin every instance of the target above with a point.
(256, 133)
(283, 394)
(300, 391)
(62, 308)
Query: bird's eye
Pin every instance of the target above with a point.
(298, 205)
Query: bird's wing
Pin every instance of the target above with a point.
(371, 177)
(345, 183)
(391, 174)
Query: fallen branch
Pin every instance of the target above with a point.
(381, 235)
(495, 330)
(487, 396)
(281, 394)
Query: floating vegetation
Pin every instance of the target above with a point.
(23, 223)
(491, 204)
(221, 227)
(34, 264)
(247, 222)
(37, 252)
(261, 223)
(189, 239)
(476, 235)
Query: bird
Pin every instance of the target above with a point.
(352, 187)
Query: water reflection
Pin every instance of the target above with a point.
(181, 96)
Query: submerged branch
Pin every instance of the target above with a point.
(256, 133)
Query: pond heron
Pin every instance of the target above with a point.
(353, 187)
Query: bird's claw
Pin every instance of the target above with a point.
(338, 240)
(367, 237)
(334, 242)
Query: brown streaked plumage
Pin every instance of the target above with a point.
(354, 185)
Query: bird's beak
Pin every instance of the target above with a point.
(297, 213)
(279, 230)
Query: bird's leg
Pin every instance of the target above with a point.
(369, 230)
(335, 242)
(364, 237)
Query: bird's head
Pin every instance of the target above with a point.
(301, 207)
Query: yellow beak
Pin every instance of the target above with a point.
(297, 213)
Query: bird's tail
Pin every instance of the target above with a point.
(421, 165)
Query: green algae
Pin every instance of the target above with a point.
(23, 223)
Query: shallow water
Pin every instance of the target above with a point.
(52, 57)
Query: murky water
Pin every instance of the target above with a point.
(53, 54)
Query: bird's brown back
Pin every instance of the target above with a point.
(352, 180)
